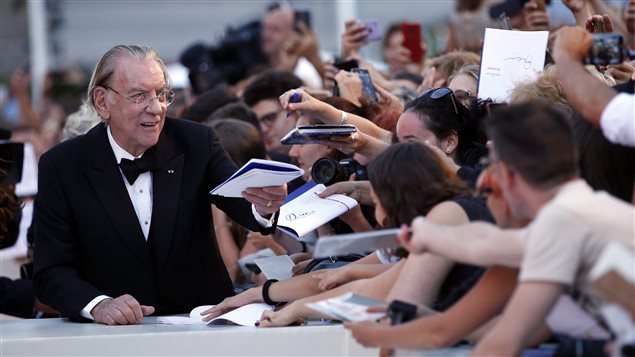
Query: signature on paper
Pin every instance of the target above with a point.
(292, 216)
(525, 61)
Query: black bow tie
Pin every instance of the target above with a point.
(133, 168)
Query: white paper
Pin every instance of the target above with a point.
(308, 211)
(356, 242)
(510, 57)
(277, 267)
(348, 307)
(243, 316)
(257, 173)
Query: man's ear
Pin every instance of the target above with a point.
(507, 176)
(450, 143)
(101, 103)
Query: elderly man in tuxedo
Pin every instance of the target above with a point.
(122, 216)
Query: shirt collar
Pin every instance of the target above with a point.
(120, 153)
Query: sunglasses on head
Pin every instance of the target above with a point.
(438, 93)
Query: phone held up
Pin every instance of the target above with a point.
(412, 40)
(607, 48)
(373, 31)
(301, 16)
(368, 91)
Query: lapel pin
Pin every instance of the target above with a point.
(170, 171)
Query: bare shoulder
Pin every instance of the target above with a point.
(448, 212)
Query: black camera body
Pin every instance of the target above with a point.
(328, 171)
(229, 61)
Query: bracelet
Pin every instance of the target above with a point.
(344, 117)
(265, 293)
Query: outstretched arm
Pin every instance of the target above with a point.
(476, 243)
(524, 315)
(587, 95)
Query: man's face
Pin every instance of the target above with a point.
(503, 174)
(274, 123)
(135, 127)
(277, 28)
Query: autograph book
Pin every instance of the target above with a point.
(311, 134)
(308, 211)
(257, 173)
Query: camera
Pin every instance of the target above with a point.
(606, 49)
(328, 171)
(232, 59)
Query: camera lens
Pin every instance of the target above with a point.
(325, 171)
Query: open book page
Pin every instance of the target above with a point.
(243, 316)
(508, 58)
(277, 267)
(356, 243)
(310, 134)
(348, 307)
(257, 173)
(308, 211)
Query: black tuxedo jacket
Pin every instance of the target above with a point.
(88, 240)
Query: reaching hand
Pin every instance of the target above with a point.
(572, 43)
(353, 38)
(599, 24)
(330, 71)
(124, 310)
(267, 200)
(285, 317)
(622, 72)
(415, 242)
(252, 295)
(332, 278)
(350, 86)
(357, 190)
(368, 334)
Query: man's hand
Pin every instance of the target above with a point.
(572, 43)
(267, 200)
(124, 310)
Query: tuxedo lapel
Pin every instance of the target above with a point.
(166, 182)
(106, 179)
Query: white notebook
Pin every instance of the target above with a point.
(243, 316)
(257, 173)
(308, 211)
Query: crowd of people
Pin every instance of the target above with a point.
(504, 208)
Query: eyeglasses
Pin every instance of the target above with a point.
(166, 97)
(438, 93)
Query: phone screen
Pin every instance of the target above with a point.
(368, 91)
(606, 49)
(412, 40)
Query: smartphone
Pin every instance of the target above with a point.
(346, 65)
(373, 31)
(368, 91)
(607, 48)
(301, 16)
(412, 40)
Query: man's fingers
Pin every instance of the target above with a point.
(147, 310)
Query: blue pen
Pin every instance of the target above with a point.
(295, 97)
